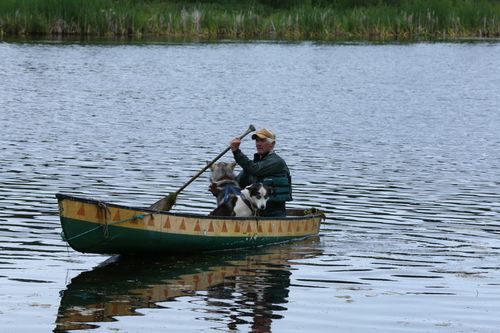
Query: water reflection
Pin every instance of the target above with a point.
(246, 287)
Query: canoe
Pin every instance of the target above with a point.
(93, 226)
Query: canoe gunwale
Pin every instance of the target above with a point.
(61, 196)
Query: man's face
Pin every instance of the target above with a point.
(263, 146)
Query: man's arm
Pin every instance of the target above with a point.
(272, 164)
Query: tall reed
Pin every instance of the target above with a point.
(292, 19)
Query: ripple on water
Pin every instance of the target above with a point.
(407, 178)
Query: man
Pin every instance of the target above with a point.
(266, 167)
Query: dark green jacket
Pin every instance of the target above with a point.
(271, 170)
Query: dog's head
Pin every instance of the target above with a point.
(258, 194)
(222, 171)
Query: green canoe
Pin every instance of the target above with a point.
(93, 226)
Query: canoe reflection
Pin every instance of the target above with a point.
(242, 284)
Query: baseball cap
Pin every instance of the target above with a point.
(264, 133)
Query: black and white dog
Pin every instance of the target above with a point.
(252, 199)
(231, 201)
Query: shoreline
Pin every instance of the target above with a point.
(418, 20)
(151, 40)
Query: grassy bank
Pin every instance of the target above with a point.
(271, 19)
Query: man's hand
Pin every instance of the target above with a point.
(235, 144)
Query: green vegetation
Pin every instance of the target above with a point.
(258, 19)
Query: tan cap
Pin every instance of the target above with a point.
(264, 133)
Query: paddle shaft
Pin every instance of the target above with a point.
(250, 129)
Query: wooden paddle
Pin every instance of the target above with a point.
(166, 203)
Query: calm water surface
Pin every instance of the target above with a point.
(398, 144)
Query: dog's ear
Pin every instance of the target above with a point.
(253, 188)
(250, 187)
(232, 165)
(211, 167)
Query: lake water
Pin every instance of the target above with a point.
(397, 144)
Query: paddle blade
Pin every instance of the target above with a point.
(166, 203)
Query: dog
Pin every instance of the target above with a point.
(231, 200)
(251, 200)
(224, 187)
